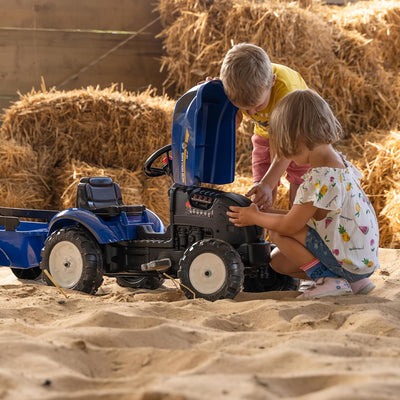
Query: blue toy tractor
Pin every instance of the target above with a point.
(102, 236)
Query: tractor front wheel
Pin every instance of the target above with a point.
(211, 269)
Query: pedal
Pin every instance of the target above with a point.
(157, 265)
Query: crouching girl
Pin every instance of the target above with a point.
(331, 234)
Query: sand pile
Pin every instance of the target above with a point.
(130, 344)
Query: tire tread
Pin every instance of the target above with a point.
(92, 275)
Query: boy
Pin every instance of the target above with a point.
(254, 85)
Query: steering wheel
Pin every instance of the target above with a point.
(166, 169)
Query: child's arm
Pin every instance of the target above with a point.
(261, 192)
(275, 211)
(285, 224)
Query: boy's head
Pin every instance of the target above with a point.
(302, 117)
(247, 76)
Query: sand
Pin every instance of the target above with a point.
(137, 344)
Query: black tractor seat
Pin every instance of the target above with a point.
(103, 197)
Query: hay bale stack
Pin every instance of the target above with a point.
(241, 185)
(244, 148)
(374, 20)
(379, 163)
(130, 182)
(155, 196)
(21, 182)
(105, 127)
(342, 65)
(86, 131)
(348, 56)
(378, 159)
(390, 219)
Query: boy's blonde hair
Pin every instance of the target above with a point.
(302, 116)
(246, 74)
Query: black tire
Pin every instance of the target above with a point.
(29, 273)
(142, 282)
(212, 269)
(274, 282)
(74, 260)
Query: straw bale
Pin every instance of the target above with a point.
(375, 20)
(379, 161)
(130, 182)
(100, 126)
(21, 182)
(240, 185)
(155, 196)
(244, 148)
(343, 65)
(380, 165)
(390, 219)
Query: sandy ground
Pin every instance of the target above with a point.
(151, 345)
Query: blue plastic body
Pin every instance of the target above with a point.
(21, 248)
(203, 136)
(115, 229)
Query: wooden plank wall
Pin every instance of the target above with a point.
(57, 39)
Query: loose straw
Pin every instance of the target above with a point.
(54, 282)
(181, 284)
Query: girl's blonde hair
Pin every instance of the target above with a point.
(246, 74)
(302, 116)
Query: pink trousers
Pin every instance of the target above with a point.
(261, 161)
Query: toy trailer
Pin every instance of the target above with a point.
(102, 236)
(21, 241)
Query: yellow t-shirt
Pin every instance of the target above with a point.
(286, 81)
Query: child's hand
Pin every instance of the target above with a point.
(243, 216)
(261, 195)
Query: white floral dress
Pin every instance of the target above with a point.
(350, 229)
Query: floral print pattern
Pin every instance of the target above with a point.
(350, 229)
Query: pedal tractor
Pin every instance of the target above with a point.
(102, 236)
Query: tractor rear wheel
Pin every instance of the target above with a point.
(74, 259)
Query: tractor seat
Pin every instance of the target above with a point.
(103, 197)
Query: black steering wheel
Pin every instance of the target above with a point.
(166, 169)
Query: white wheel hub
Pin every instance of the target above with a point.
(65, 264)
(207, 273)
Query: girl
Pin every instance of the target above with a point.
(331, 233)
